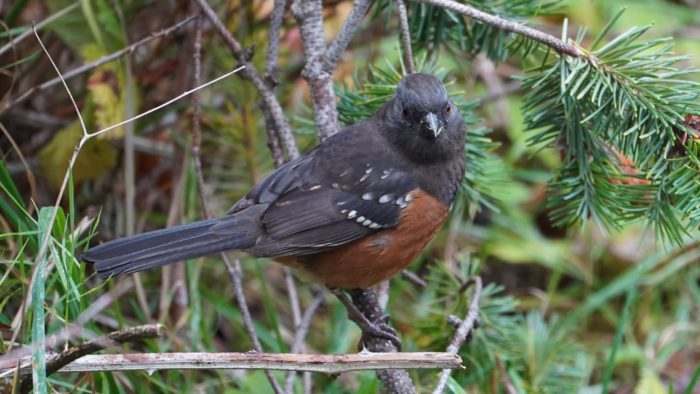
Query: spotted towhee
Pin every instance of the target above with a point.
(354, 211)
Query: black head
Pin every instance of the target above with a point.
(422, 121)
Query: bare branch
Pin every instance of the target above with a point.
(272, 79)
(405, 37)
(66, 357)
(465, 328)
(308, 14)
(270, 103)
(273, 42)
(92, 65)
(49, 19)
(327, 363)
(506, 25)
(337, 46)
(196, 118)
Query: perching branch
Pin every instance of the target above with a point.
(271, 105)
(395, 381)
(92, 65)
(324, 363)
(547, 39)
(131, 334)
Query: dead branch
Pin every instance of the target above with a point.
(327, 363)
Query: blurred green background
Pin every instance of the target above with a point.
(564, 310)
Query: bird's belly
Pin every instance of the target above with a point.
(380, 256)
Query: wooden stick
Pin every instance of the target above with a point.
(328, 363)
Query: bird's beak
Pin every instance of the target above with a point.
(431, 123)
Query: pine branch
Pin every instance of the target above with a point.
(628, 99)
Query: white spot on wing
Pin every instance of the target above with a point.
(367, 222)
(352, 214)
(374, 225)
(360, 219)
(368, 196)
(316, 187)
(386, 198)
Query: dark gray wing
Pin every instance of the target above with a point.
(325, 208)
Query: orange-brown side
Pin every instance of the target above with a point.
(380, 256)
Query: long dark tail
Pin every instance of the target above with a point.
(161, 247)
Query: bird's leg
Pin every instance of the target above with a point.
(378, 327)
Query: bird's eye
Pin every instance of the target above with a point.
(405, 113)
(448, 109)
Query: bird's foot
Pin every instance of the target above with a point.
(377, 328)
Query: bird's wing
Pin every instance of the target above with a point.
(314, 206)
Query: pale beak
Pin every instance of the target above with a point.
(432, 124)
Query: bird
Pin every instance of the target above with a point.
(354, 211)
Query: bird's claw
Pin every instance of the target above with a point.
(380, 328)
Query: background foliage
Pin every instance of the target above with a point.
(579, 210)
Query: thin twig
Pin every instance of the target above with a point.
(506, 25)
(55, 16)
(510, 388)
(302, 329)
(131, 334)
(405, 37)
(462, 333)
(270, 103)
(352, 22)
(323, 363)
(172, 100)
(87, 67)
(196, 118)
(415, 279)
(236, 274)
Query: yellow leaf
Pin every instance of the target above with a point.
(96, 156)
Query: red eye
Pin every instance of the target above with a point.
(405, 113)
(448, 109)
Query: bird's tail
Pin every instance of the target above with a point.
(161, 247)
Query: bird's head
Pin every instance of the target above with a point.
(422, 121)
